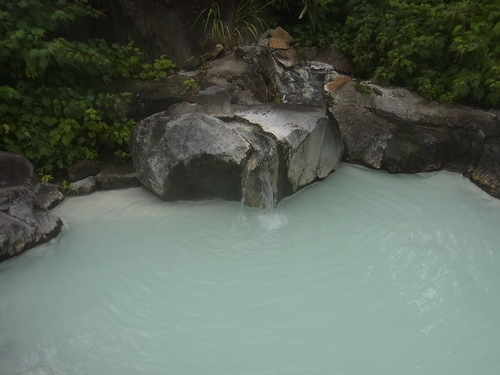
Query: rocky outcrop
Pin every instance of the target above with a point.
(485, 171)
(272, 70)
(242, 80)
(393, 129)
(257, 154)
(25, 221)
(15, 170)
(288, 78)
(88, 176)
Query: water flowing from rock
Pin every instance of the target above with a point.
(363, 273)
(266, 192)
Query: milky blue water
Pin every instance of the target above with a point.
(363, 273)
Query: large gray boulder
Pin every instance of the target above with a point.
(197, 156)
(24, 217)
(393, 129)
(259, 155)
(25, 221)
(15, 169)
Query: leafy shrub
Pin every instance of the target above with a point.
(48, 109)
(447, 51)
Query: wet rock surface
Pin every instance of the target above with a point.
(25, 221)
(258, 132)
(392, 129)
(485, 172)
(260, 154)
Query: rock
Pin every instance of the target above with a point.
(25, 223)
(85, 186)
(334, 58)
(197, 156)
(398, 147)
(262, 154)
(48, 195)
(287, 57)
(117, 176)
(486, 172)
(15, 169)
(192, 63)
(339, 82)
(83, 169)
(275, 43)
(290, 82)
(308, 140)
(393, 129)
(215, 101)
(236, 76)
(148, 98)
(213, 52)
(281, 34)
(403, 105)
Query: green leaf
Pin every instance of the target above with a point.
(46, 101)
(22, 25)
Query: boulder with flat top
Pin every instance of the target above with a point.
(257, 154)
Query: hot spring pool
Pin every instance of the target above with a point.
(365, 273)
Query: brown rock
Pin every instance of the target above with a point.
(288, 57)
(337, 83)
(276, 43)
(280, 33)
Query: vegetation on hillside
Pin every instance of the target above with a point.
(49, 108)
(51, 112)
(445, 50)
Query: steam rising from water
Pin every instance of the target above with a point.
(363, 273)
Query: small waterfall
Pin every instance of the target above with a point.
(269, 218)
(268, 200)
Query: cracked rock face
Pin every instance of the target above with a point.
(397, 131)
(25, 221)
(259, 155)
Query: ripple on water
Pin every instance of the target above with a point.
(363, 273)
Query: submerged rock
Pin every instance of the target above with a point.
(261, 154)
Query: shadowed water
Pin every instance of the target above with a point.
(363, 273)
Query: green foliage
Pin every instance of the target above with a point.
(64, 186)
(311, 19)
(158, 70)
(191, 84)
(45, 177)
(447, 51)
(48, 109)
(246, 21)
